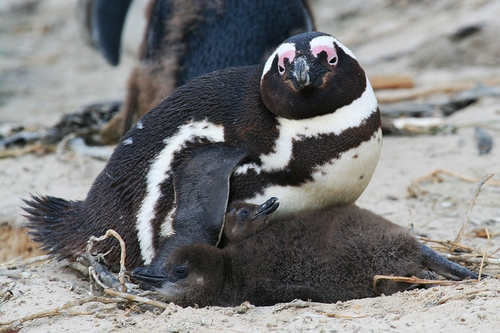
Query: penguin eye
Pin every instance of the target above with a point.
(327, 53)
(243, 214)
(281, 70)
(180, 272)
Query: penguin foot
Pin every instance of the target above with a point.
(444, 267)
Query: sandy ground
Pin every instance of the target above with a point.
(46, 70)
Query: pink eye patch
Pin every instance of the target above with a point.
(331, 53)
(290, 54)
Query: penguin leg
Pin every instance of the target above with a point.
(201, 185)
(442, 266)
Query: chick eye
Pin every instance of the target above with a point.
(180, 272)
(243, 214)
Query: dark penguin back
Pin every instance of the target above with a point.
(219, 34)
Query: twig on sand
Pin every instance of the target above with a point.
(60, 310)
(33, 148)
(343, 316)
(111, 232)
(471, 259)
(484, 255)
(448, 244)
(412, 280)
(414, 189)
(121, 275)
(483, 180)
(462, 295)
(14, 263)
(414, 93)
(135, 298)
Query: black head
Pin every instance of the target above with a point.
(244, 220)
(309, 75)
(193, 274)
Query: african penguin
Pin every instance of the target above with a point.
(304, 126)
(326, 256)
(244, 220)
(187, 38)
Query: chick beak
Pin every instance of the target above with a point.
(300, 73)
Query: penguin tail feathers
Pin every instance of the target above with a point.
(53, 223)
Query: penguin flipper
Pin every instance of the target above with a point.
(108, 19)
(442, 266)
(201, 185)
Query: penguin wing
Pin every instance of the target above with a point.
(106, 24)
(201, 185)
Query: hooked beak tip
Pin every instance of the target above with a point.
(301, 73)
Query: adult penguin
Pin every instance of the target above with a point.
(187, 38)
(304, 126)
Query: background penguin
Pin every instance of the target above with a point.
(307, 119)
(187, 38)
(325, 256)
(103, 22)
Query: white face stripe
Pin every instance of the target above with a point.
(285, 47)
(329, 40)
(157, 174)
(336, 122)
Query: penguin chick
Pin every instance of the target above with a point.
(304, 126)
(187, 38)
(323, 256)
(244, 220)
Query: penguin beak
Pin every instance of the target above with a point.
(150, 276)
(300, 73)
(267, 208)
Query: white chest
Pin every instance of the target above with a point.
(338, 182)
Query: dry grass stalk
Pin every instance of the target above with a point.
(412, 280)
(461, 296)
(112, 233)
(447, 244)
(36, 148)
(343, 316)
(471, 259)
(483, 180)
(484, 255)
(392, 96)
(60, 310)
(397, 81)
(121, 275)
(17, 262)
(415, 191)
(15, 242)
(135, 298)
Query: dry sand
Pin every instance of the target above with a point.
(46, 70)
